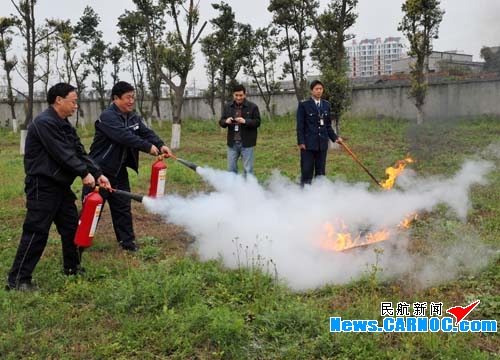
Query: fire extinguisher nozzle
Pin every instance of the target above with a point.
(130, 195)
(188, 164)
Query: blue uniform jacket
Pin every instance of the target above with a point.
(119, 138)
(314, 125)
(54, 150)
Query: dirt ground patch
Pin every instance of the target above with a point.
(172, 239)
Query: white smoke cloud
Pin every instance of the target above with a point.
(278, 226)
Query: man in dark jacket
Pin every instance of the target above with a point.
(54, 157)
(242, 118)
(119, 136)
(314, 128)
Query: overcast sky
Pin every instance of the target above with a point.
(467, 25)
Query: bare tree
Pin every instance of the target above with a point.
(9, 63)
(173, 53)
(74, 41)
(32, 36)
(290, 18)
(132, 30)
(261, 64)
(226, 49)
(211, 93)
(46, 50)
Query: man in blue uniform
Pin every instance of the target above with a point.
(119, 136)
(314, 129)
(54, 157)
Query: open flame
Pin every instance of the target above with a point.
(405, 224)
(393, 172)
(339, 238)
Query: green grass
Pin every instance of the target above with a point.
(164, 303)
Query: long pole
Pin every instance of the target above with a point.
(360, 163)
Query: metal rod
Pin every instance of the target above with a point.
(360, 163)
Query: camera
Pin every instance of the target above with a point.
(236, 125)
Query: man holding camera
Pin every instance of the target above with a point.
(242, 118)
(314, 128)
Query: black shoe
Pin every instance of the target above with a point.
(22, 286)
(131, 246)
(74, 271)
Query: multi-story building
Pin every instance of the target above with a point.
(440, 61)
(373, 57)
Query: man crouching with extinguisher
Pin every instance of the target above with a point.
(119, 136)
(54, 157)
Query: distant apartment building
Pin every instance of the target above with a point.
(373, 57)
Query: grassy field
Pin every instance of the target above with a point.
(163, 303)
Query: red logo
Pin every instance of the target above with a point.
(460, 312)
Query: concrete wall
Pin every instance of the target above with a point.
(196, 108)
(193, 108)
(445, 100)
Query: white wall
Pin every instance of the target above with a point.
(445, 100)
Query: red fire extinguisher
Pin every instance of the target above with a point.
(89, 218)
(158, 178)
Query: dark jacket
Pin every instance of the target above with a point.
(250, 112)
(54, 150)
(119, 138)
(310, 131)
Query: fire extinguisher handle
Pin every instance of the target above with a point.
(170, 156)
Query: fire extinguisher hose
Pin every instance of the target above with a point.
(183, 162)
(130, 195)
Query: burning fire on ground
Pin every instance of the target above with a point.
(338, 237)
(393, 172)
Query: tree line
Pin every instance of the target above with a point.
(156, 46)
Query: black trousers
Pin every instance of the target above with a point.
(46, 203)
(312, 164)
(120, 206)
